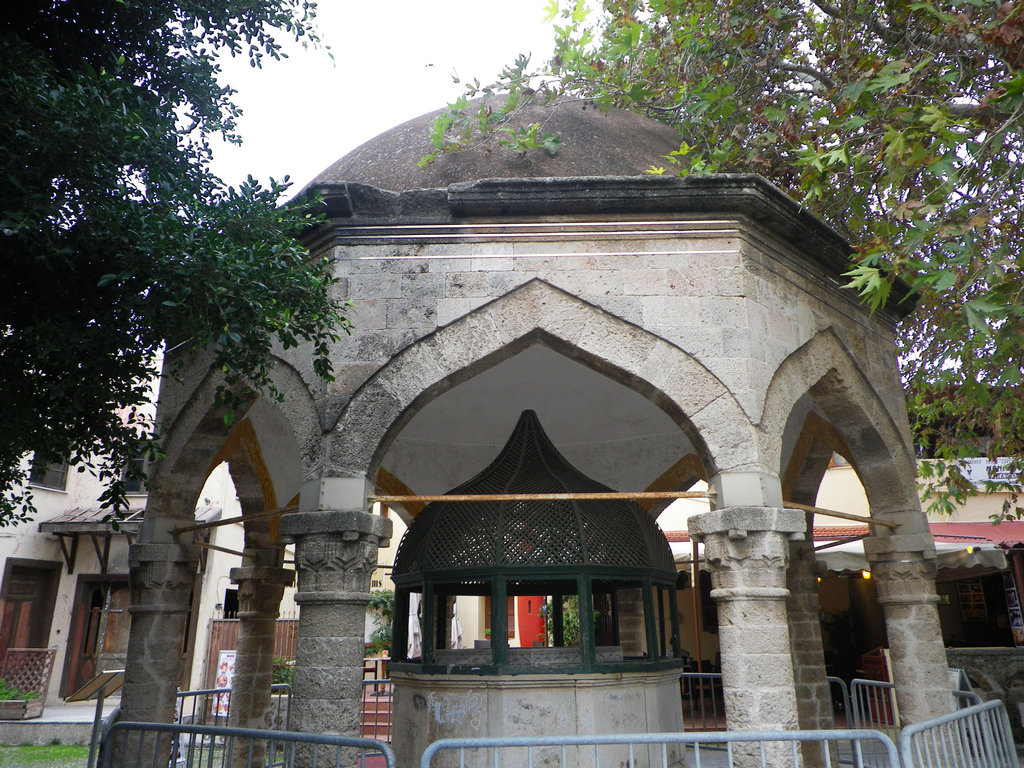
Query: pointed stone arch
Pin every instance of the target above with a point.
(810, 458)
(196, 440)
(262, 450)
(881, 452)
(538, 312)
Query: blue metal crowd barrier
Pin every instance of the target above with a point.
(704, 703)
(975, 737)
(211, 706)
(767, 749)
(174, 745)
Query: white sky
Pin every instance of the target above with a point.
(392, 62)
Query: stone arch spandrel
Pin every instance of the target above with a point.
(537, 312)
(879, 448)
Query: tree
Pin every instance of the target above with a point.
(900, 123)
(382, 608)
(116, 238)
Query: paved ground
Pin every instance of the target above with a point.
(60, 722)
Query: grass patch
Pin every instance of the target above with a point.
(50, 756)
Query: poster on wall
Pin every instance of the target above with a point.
(972, 600)
(1014, 611)
(225, 677)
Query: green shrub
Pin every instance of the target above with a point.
(382, 608)
(284, 671)
(9, 693)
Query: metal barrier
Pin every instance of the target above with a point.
(703, 702)
(965, 699)
(159, 745)
(375, 709)
(963, 691)
(843, 703)
(873, 705)
(211, 706)
(774, 749)
(100, 728)
(976, 737)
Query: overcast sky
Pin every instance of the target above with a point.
(392, 61)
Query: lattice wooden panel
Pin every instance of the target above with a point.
(28, 669)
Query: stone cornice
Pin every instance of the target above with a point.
(350, 207)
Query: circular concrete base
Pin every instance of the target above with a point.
(432, 707)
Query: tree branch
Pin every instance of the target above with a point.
(810, 71)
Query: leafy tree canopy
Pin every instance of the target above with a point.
(900, 122)
(117, 240)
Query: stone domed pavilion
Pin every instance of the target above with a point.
(663, 329)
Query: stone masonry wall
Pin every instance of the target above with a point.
(729, 298)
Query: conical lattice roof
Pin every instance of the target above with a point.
(450, 536)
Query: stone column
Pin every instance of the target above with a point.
(335, 556)
(747, 549)
(260, 589)
(903, 568)
(813, 697)
(631, 622)
(162, 577)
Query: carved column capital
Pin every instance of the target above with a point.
(159, 575)
(335, 552)
(748, 548)
(904, 578)
(260, 589)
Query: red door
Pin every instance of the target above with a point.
(27, 612)
(530, 619)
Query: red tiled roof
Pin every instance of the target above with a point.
(1004, 534)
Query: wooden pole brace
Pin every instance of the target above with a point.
(842, 515)
(232, 520)
(837, 542)
(225, 550)
(583, 496)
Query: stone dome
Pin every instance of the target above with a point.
(594, 143)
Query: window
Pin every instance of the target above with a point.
(48, 474)
(135, 484)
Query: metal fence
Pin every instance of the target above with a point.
(976, 737)
(158, 745)
(766, 749)
(873, 705)
(840, 695)
(211, 706)
(375, 709)
(704, 703)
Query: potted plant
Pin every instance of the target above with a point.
(19, 705)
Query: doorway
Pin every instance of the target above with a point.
(98, 640)
(29, 590)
